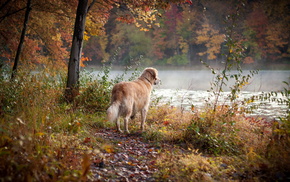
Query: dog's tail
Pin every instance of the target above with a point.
(113, 112)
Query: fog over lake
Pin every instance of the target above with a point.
(265, 80)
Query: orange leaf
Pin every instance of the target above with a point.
(87, 140)
(166, 123)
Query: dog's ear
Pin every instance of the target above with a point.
(151, 75)
(154, 76)
(152, 72)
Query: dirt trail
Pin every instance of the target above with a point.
(129, 159)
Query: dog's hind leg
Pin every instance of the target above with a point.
(126, 122)
(143, 118)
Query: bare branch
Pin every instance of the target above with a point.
(90, 6)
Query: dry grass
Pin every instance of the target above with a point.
(166, 123)
(232, 146)
(42, 138)
(194, 166)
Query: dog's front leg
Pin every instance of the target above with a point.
(118, 125)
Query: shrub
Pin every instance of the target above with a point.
(95, 97)
(213, 132)
(166, 123)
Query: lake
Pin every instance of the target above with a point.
(183, 88)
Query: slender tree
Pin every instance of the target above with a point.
(72, 87)
(20, 45)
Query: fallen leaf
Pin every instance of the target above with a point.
(108, 148)
(87, 140)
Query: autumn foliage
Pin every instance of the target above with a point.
(179, 34)
(185, 33)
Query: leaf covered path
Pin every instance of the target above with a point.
(124, 158)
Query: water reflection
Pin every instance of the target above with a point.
(185, 88)
(184, 99)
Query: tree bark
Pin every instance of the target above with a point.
(72, 87)
(20, 45)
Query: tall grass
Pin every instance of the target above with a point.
(41, 136)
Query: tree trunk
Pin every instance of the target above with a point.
(20, 45)
(72, 87)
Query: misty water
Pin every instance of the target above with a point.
(184, 88)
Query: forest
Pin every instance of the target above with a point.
(180, 35)
(53, 124)
(184, 34)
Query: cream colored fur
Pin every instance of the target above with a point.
(129, 98)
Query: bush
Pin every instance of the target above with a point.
(95, 97)
(213, 132)
(166, 123)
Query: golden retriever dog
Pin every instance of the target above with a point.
(129, 98)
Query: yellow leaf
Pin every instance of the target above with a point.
(144, 29)
(108, 148)
(137, 24)
(131, 164)
(86, 37)
(39, 134)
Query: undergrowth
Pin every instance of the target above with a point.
(215, 145)
(44, 138)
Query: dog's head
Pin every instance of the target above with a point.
(151, 75)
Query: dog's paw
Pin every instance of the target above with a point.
(127, 131)
(121, 131)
